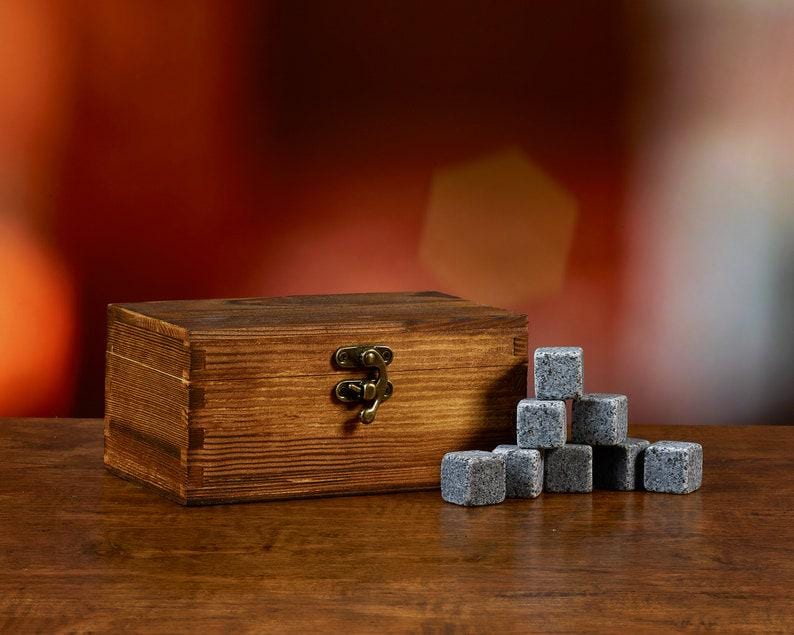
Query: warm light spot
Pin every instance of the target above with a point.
(36, 327)
(350, 230)
(498, 229)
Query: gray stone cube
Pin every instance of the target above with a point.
(600, 419)
(524, 471)
(473, 478)
(619, 467)
(673, 467)
(540, 424)
(569, 469)
(559, 373)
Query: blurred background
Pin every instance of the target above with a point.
(623, 172)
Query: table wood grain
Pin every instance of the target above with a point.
(82, 550)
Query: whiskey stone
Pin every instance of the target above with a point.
(540, 424)
(619, 467)
(473, 478)
(558, 373)
(524, 471)
(673, 467)
(569, 469)
(600, 419)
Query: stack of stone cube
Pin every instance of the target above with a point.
(600, 454)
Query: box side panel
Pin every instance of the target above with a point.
(141, 460)
(286, 436)
(150, 403)
(146, 341)
(146, 409)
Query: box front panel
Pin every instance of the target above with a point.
(286, 436)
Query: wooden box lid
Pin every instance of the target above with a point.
(222, 400)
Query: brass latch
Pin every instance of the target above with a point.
(374, 389)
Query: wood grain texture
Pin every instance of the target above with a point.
(214, 401)
(83, 551)
(304, 451)
(317, 314)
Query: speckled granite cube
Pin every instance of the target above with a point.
(569, 469)
(524, 471)
(558, 373)
(673, 467)
(619, 467)
(473, 478)
(540, 424)
(600, 419)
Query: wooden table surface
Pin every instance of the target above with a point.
(82, 550)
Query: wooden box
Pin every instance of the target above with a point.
(216, 401)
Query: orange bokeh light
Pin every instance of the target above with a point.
(37, 327)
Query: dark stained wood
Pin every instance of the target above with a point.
(83, 551)
(213, 401)
(314, 314)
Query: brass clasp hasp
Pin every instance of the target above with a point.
(372, 390)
